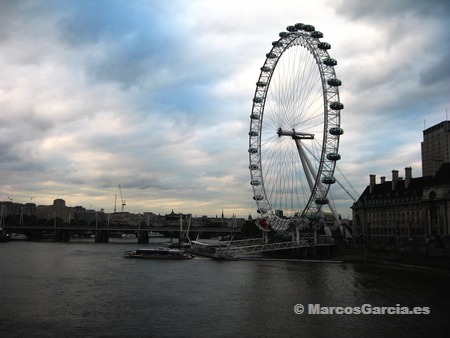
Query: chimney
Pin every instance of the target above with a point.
(372, 182)
(382, 179)
(408, 176)
(394, 178)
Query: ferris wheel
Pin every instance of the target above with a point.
(294, 130)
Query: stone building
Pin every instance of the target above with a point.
(401, 209)
(11, 208)
(58, 209)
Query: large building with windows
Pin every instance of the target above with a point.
(406, 208)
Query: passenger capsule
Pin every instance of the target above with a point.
(253, 167)
(299, 26)
(271, 55)
(277, 44)
(258, 198)
(329, 62)
(283, 34)
(334, 82)
(261, 84)
(321, 200)
(257, 99)
(266, 69)
(317, 34)
(261, 211)
(264, 224)
(336, 105)
(333, 156)
(253, 133)
(328, 180)
(336, 131)
(309, 28)
(254, 116)
(253, 151)
(323, 45)
(255, 182)
(291, 29)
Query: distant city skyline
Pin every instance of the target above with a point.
(156, 96)
(58, 201)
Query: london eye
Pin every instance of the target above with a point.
(294, 130)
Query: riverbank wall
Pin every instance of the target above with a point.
(421, 256)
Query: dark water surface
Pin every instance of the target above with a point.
(85, 289)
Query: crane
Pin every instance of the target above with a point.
(121, 197)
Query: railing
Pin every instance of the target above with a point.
(245, 242)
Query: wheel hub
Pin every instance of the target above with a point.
(296, 135)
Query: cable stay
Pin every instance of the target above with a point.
(349, 184)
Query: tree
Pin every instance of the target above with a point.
(249, 229)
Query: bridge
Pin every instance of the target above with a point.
(102, 234)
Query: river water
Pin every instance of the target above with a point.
(86, 289)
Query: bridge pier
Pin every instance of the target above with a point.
(61, 236)
(57, 236)
(143, 237)
(101, 236)
(66, 235)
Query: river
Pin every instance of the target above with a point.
(86, 289)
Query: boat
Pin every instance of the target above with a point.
(129, 236)
(155, 234)
(158, 253)
(18, 237)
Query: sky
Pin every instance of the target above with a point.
(155, 96)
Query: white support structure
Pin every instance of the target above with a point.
(306, 163)
(305, 241)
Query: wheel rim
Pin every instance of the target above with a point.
(294, 129)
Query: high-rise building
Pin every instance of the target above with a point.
(435, 148)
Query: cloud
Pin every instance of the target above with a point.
(387, 10)
(156, 96)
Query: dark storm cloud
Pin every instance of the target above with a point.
(126, 41)
(413, 64)
(137, 44)
(16, 17)
(91, 22)
(383, 10)
(437, 72)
